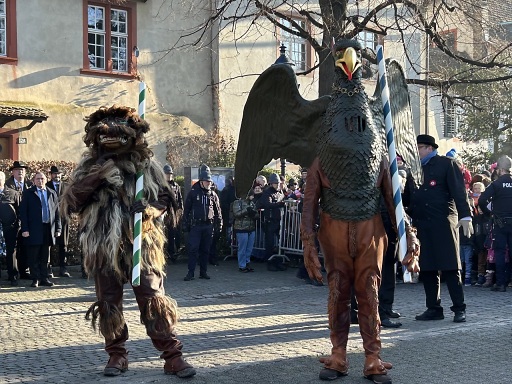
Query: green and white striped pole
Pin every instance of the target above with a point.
(139, 194)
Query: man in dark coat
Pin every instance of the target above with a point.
(499, 193)
(201, 215)
(438, 208)
(40, 225)
(57, 185)
(19, 182)
(9, 204)
(173, 231)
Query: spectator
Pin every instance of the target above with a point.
(212, 254)
(481, 226)
(201, 214)
(258, 251)
(19, 182)
(173, 231)
(62, 241)
(244, 224)
(9, 218)
(500, 194)
(293, 190)
(40, 225)
(437, 209)
(302, 181)
(227, 196)
(271, 201)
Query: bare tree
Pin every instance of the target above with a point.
(479, 48)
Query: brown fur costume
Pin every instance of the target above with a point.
(105, 191)
(102, 193)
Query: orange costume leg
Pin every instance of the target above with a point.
(353, 253)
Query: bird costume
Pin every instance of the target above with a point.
(341, 140)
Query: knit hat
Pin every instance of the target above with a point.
(452, 153)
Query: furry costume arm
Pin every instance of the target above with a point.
(81, 190)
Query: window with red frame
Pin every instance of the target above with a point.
(110, 38)
(8, 50)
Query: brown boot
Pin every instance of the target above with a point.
(179, 367)
(116, 365)
(488, 279)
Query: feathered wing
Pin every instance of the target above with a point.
(277, 123)
(401, 113)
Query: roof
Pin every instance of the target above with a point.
(10, 113)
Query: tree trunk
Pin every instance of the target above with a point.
(334, 15)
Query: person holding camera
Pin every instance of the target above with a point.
(244, 224)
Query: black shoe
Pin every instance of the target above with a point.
(214, 263)
(499, 288)
(189, 277)
(46, 283)
(204, 276)
(14, 282)
(64, 273)
(353, 317)
(391, 313)
(243, 270)
(387, 323)
(248, 266)
(34, 284)
(330, 374)
(430, 314)
(281, 267)
(379, 379)
(460, 317)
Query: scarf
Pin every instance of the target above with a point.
(427, 158)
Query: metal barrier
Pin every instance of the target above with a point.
(289, 240)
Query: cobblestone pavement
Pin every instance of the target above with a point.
(262, 327)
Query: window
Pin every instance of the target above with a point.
(451, 119)
(450, 39)
(367, 39)
(110, 39)
(8, 50)
(297, 48)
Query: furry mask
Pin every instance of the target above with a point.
(117, 129)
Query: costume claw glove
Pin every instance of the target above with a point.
(311, 261)
(411, 259)
(467, 227)
(139, 206)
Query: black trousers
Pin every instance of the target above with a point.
(432, 286)
(39, 256)
(11, 235)
(388, 283)
(271, 232)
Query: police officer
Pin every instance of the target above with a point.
(173, 231)
(9, 219)
(202, 212)
(271, 201)
(499, 193)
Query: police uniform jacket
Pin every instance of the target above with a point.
(499, 192)
(435, 209)
(271, 201)
(202, 207)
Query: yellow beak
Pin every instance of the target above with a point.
(349, 63)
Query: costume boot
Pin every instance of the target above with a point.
(489, 276)
(159, 313)
(339, 323)
(369, 325)
(118, 356)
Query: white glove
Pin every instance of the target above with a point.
(467, 227)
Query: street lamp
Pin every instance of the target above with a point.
(283, 59)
